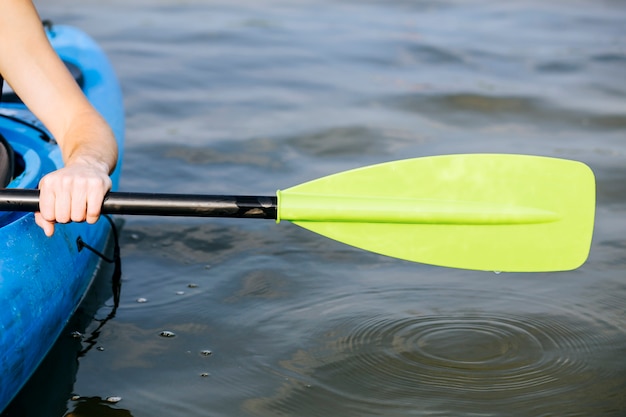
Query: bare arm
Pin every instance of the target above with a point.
(31, 66)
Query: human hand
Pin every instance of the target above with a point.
(73, 193)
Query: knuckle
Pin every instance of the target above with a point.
(63, 218)
(93, 215)
(77, 217)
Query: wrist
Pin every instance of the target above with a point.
(90, 162)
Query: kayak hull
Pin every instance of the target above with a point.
(43, 280)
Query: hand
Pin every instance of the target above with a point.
(73, 193)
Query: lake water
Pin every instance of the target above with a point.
(246, 97)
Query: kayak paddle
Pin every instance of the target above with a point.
(493, 212)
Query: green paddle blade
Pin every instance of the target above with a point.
(480, 211)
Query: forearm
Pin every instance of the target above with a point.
(88, 139)
(31, 66)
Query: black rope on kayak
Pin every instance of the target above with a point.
(82, 245)
(116, 260)
(116, 283)
(116, 279)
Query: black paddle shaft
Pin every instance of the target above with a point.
(254, 207)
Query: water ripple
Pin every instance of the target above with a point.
(478, 109)
(507, 353)
(486, 353)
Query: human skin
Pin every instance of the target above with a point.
(89, 149)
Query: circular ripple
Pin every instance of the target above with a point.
(395, 352)
(470, 353)
(523, 347)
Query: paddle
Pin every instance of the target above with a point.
(489, 212)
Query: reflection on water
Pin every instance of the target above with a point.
(247, 97)
(96, 407)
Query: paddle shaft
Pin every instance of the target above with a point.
(149, 204)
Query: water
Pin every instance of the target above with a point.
(249, 96)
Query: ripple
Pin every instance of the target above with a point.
(340, 141)
(485, 353)
(462, 350)
(474, 109)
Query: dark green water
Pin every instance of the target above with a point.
(244, 97)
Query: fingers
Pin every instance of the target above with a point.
(70, 195)
(48, 227)
(94, 201)
(76, 200)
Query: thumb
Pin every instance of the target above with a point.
(48, 227)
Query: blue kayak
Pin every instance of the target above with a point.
(43, 280)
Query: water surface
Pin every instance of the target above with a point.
(246, 97)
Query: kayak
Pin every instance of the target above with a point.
(43, 280)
